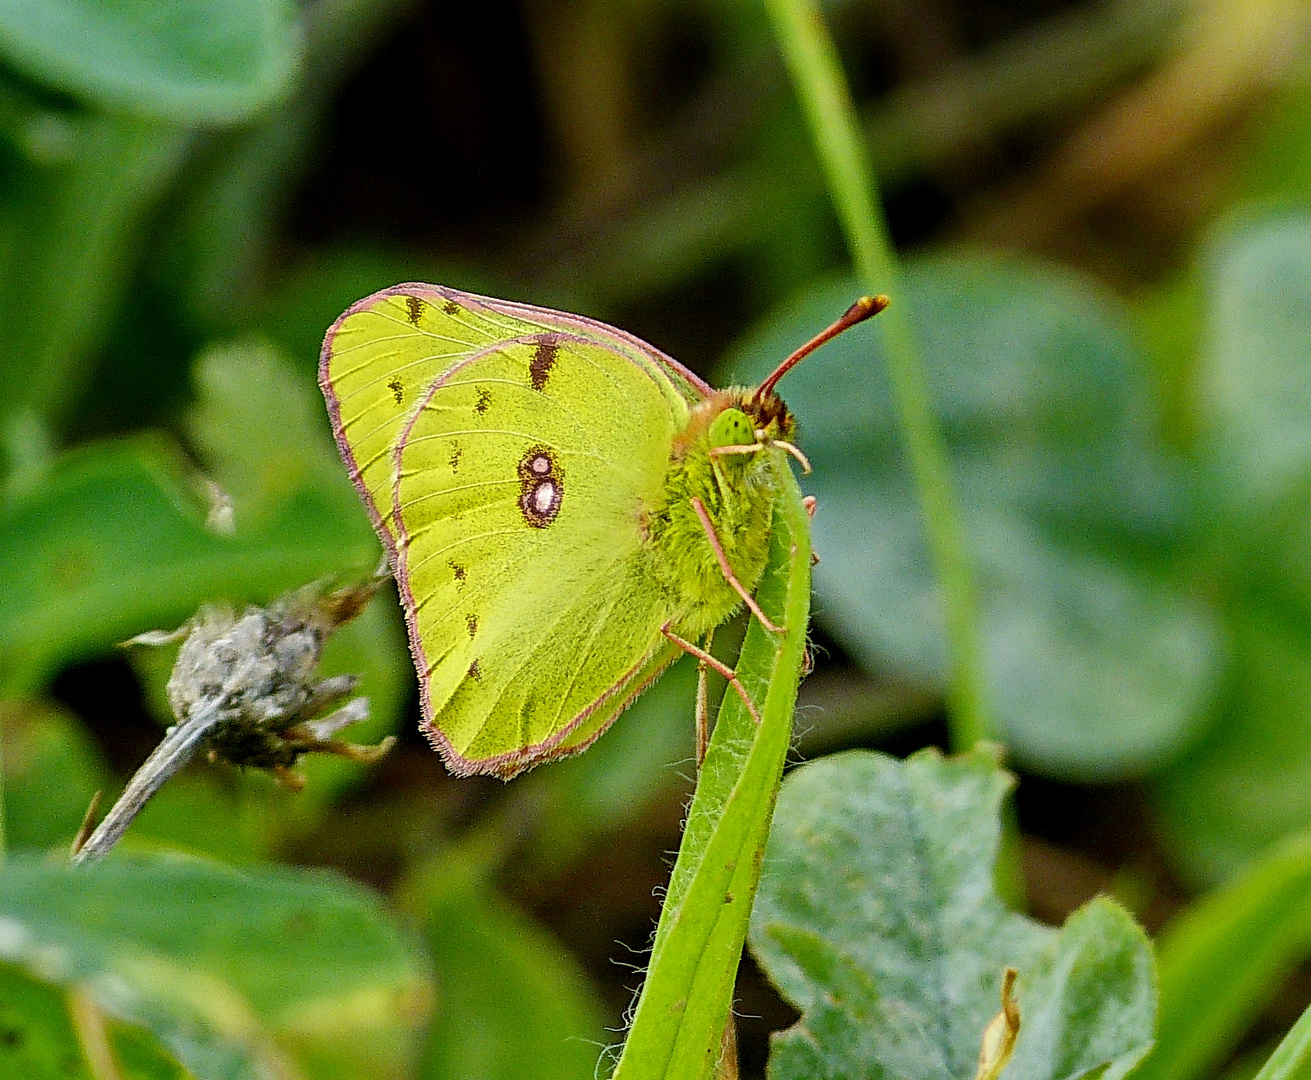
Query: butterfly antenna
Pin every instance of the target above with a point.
(864, 308)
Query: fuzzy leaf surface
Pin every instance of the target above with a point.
(878, 920)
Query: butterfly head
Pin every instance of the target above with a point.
(740, 423)
(757, 419)
(746, 424)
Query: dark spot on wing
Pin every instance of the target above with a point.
(457, 451)
(471, 621)
(451, 307)
(541, 487)
(414, 309)
(484, 400)
(539, 367)
(397, 390)
(475, 672)
(458, 570)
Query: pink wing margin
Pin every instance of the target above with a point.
(547, 319)
(507, 766)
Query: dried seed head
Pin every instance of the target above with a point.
(244, 686)
(260, 663)
(255, 673)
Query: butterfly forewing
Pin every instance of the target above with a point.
(384, 353)
(521, 481)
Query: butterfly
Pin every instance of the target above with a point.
(564, 507)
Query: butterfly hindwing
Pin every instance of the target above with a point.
(521, 481)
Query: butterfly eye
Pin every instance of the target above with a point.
(731, 428)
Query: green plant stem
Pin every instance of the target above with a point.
(1223, 958)
(1290, 1057)
(678, 1026)
(4, 816)
(826, 102)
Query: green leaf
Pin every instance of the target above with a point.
(1223, 958)
(1099, 661)
(71, 229)
(877, 919)
(241, 974)
(38, 1039)
(1249, 782)
(513, 1004)
(1292, 1055)
(260, 429)
(1254, 395)
(187, 61)
(679, 1021)
(112, 543)
(52, 768)
(1254, 405)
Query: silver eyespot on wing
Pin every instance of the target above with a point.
(542, 487)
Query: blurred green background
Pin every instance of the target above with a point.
(1105, 209)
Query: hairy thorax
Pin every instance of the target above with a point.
(737, 486)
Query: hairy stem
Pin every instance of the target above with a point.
(679, 1024)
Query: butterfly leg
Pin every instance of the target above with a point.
(703, 705)
(727, 570)
(718, 665)
(784, 445)
(702, 714)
